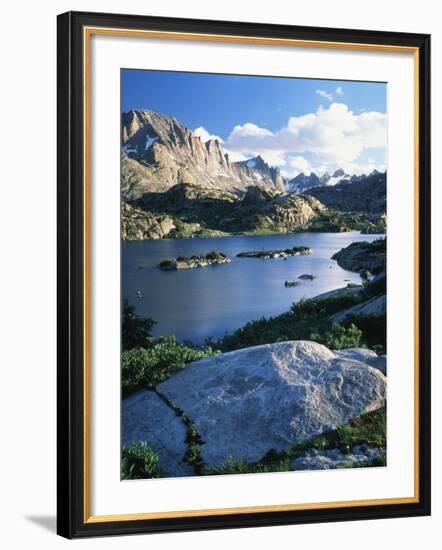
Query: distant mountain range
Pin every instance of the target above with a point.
(302, 182)
(173, 184)
(366, 194)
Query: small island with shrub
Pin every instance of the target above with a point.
(273, 254)
(190, 262)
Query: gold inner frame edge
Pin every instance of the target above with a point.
(87, 34)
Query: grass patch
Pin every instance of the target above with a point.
(139, 461)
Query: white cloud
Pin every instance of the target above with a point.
(325, 94)
(334, 136)
(339, 91)
(202, 133)
(297, 165)
(248, 130)
(235, 156)
(363, 168)
(330, 138)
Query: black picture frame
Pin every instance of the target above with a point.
(72, 393)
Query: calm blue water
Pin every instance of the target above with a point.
(195, 304)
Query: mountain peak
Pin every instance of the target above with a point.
(338, 173)
(300, 183)
(260, 167)
(159, 152)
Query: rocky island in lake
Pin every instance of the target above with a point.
(273, 254)
(191, 262)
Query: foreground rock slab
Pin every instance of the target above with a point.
(249, 401)
(334, 458)
(147, 418)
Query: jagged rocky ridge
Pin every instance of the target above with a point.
(175, 185)
(369, 194)
(159, 152)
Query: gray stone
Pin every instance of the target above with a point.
(147, 418)
(365, 356)
(249, 401)
(375, 307)
(334, 458)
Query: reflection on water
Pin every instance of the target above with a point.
(195, 304)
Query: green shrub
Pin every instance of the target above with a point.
(167, 264)
(339, 337)
(369, 428)
(148, 367)
(215, 255)
(374, 331)
(139, 461)
(135, 331)
(307, 320)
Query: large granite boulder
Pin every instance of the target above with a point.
(365, 356)
(247, 402)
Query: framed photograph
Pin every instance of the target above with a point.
(243, 274)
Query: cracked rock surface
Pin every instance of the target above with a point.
(247, 402)
(147, 418)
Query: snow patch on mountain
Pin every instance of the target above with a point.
(150, 141)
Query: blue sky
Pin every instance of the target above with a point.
(296, 124)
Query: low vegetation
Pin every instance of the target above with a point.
(308, 319)
(145, 360)
(139, 461)
(135, 331)
(146, 367)
(334, 221)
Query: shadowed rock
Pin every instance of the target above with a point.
(147, 418)
(375, 307)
